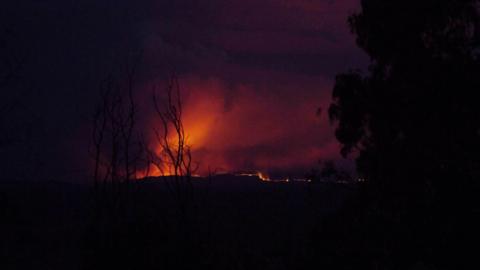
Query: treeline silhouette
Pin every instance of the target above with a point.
(413, 123)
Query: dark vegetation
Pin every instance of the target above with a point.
(234, 223)
(413, 122)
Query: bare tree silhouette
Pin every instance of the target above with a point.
(174, 158)
(116, 145)
(120, 220)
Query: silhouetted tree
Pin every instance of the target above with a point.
(118, 231)
(413, 122)
(116, 146)
(175, 150)
(174, 156)
(417, 104)
(114, 122)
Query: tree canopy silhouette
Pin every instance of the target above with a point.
(413, 124)
(414, 117)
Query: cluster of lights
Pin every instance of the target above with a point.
(265, 178)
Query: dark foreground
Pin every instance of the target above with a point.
(222, 223)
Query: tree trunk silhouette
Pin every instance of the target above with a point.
(174, 158)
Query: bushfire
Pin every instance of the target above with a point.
(234, 128)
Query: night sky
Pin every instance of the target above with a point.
(253, 74)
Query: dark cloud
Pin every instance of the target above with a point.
(325, 63)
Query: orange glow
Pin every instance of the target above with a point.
(242, 127)
(152, 170)
(259, 175)
(263, 177)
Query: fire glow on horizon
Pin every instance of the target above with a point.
(249, 128)
(251, 95)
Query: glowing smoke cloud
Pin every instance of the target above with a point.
(252, 130)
